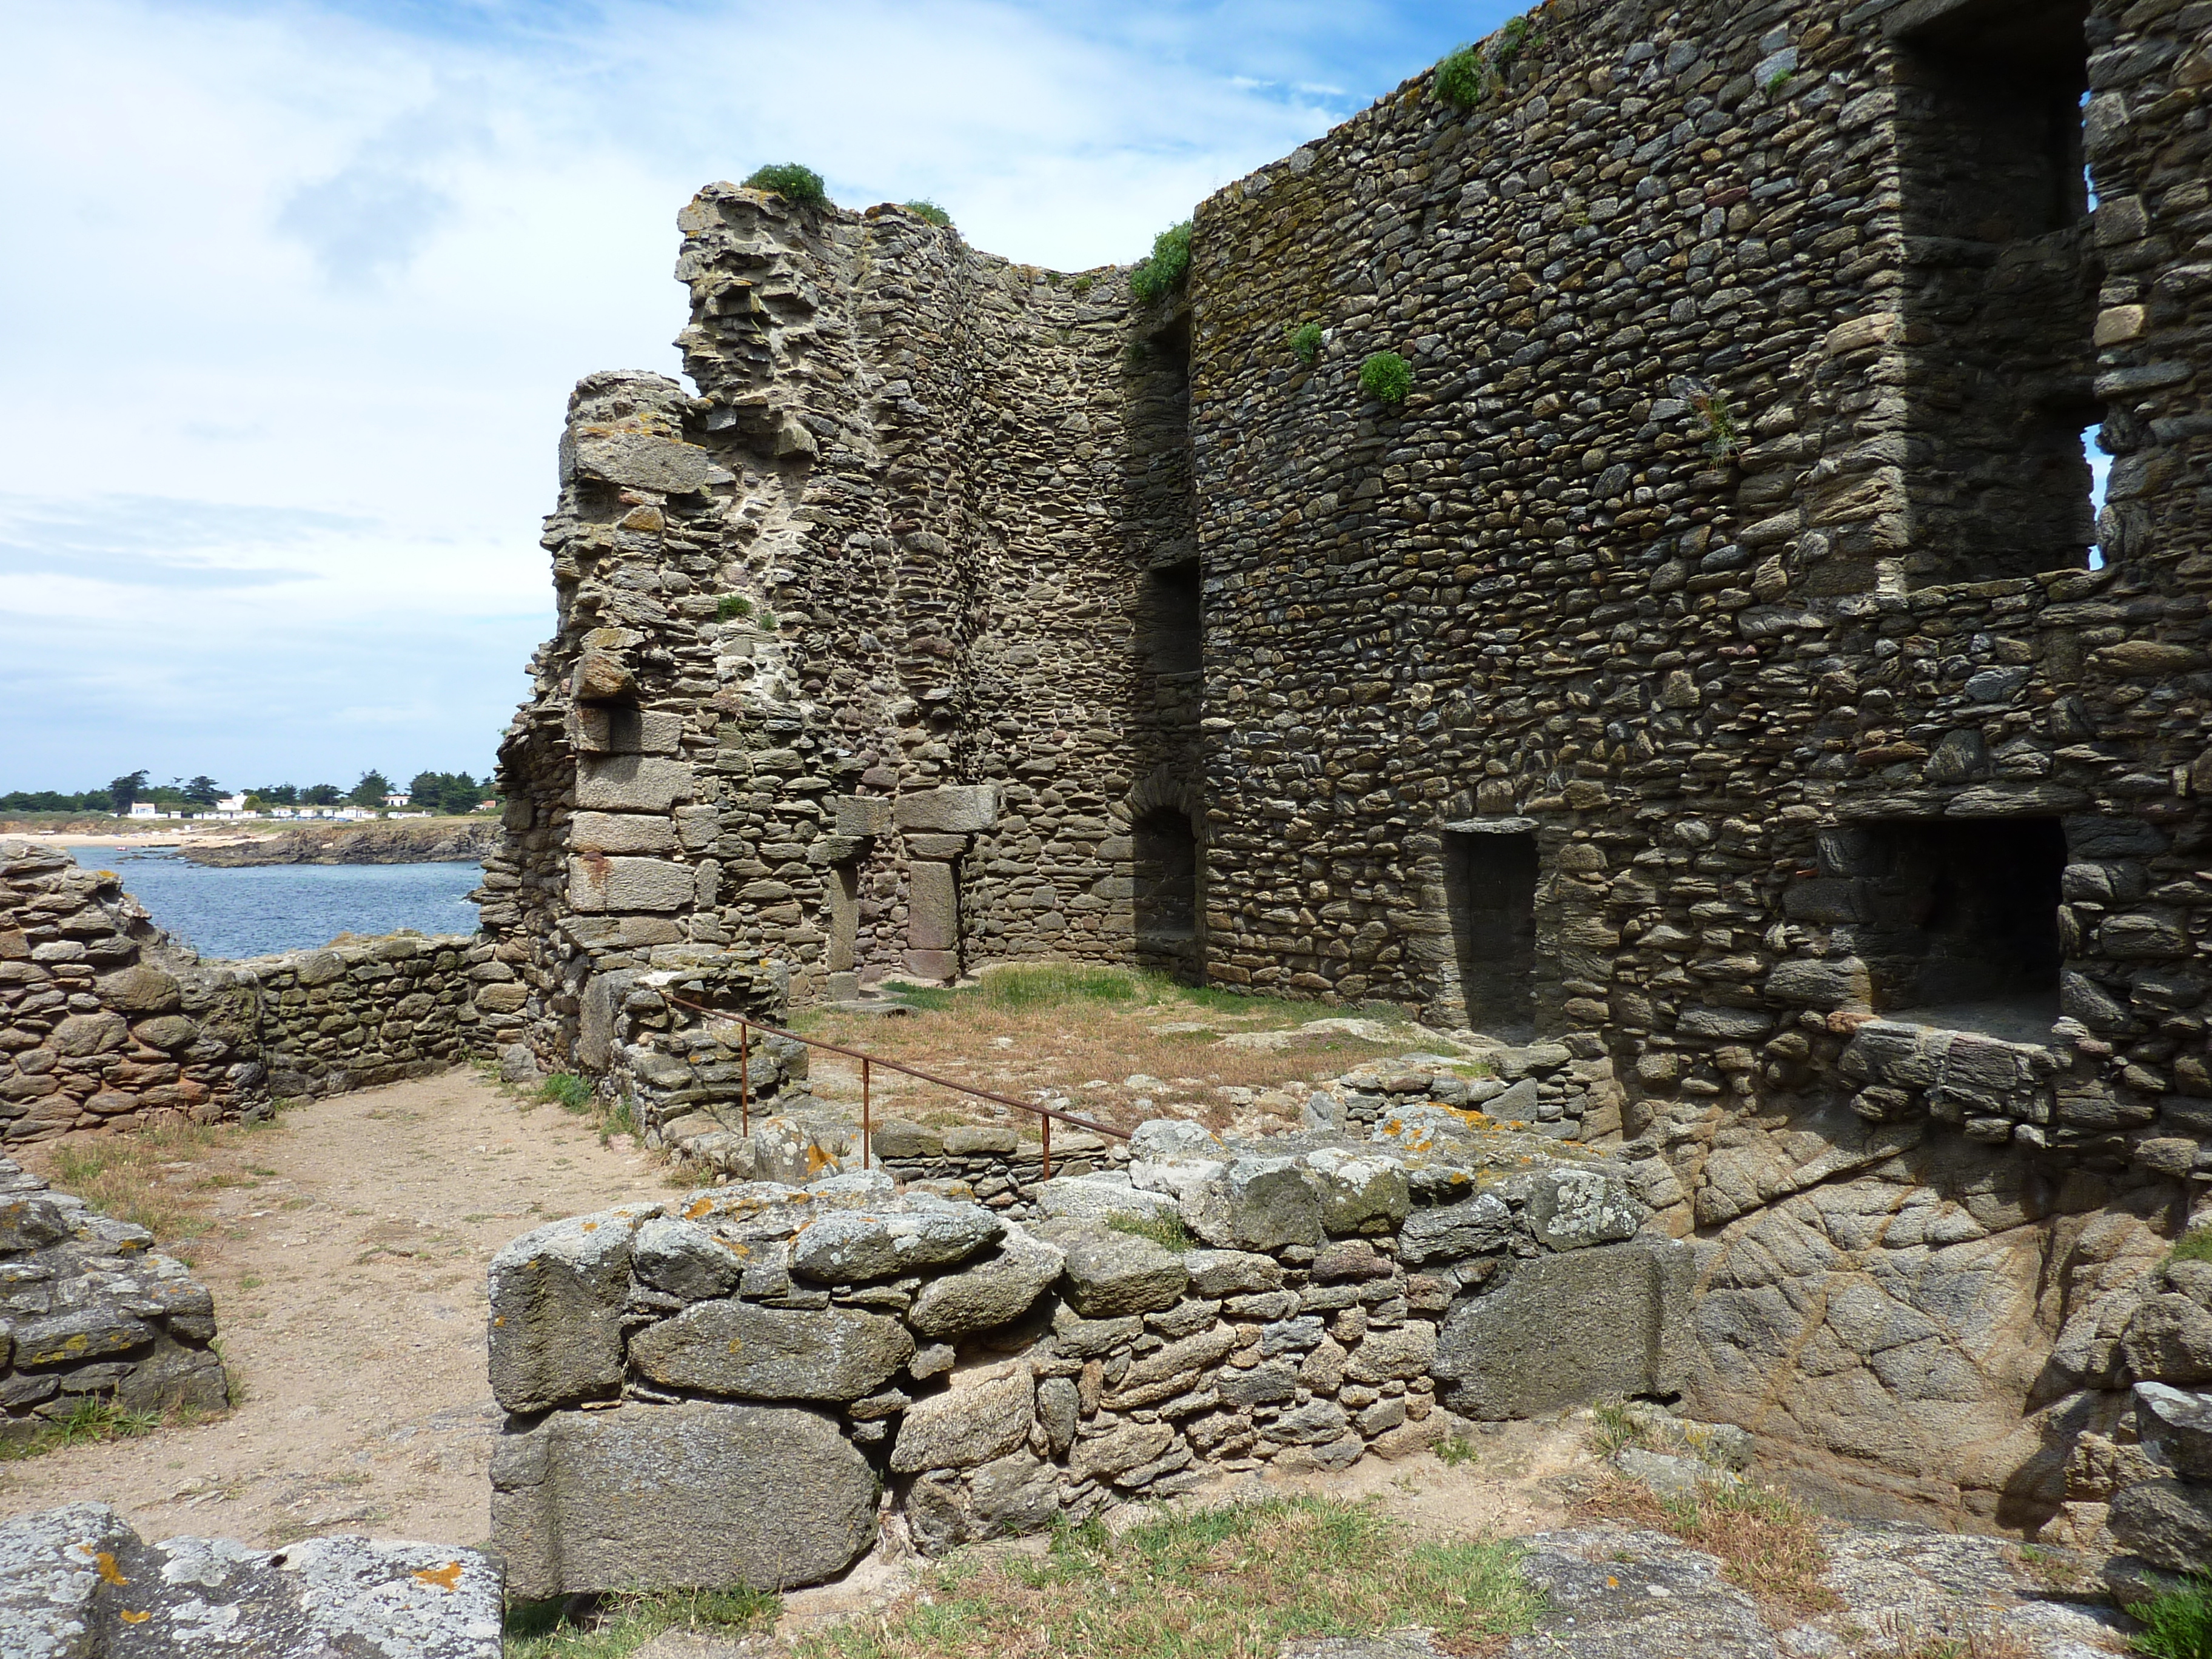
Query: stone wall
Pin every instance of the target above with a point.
(1707, 657)
(764, 1358)
(110, 1024)
(92, 1313)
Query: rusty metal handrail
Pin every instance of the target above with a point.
(1046, 1115)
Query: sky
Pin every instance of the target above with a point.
(295, 293)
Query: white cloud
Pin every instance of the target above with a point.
(298, 292)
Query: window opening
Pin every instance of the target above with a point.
(1174, 619)
(1164, 861)
(1962, 922)
(1490, 889)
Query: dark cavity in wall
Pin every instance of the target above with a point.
(2001, 292)
(1165, 870)
(1172, 623)
(1961, 915)
(1490, 889)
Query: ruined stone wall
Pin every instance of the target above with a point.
(1660, 567)
(777, 1355)
(850, 672)
(1707, 657)
(109, 1023)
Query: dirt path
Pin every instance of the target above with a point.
(348, 1267)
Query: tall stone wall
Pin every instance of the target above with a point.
(1707, 657)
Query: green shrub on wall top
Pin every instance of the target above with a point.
(1166, 268)
(791, 181)
(923, 208)
(1306, 340)
(1460, 77)
(1386, 377)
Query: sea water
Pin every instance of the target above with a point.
(256, 909)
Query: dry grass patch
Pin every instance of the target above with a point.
(165, 1180)
(1072, 1029)
(1234, 1582)
(1897, 1637)
(1769, 1545)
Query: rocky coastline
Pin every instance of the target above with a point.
(425, 840)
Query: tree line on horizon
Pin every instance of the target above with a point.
(449, 793)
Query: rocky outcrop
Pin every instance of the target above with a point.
(434, 840)
(79, 1583)
(90, 1312)
(719, 1385)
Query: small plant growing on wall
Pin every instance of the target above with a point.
(1166, 268)
(1461, 77)
(731, 606)
(1306, 340)
(791, 181)
(923, 209)
(1778, 80)
(1717, 425)
(1386, 377)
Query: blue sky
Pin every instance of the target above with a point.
(297, 292)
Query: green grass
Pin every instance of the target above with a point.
(90, 1422)
(1218, 1583)
(1166, 268)
(923, 209)
(1386, 377)
(791, 181)
(568, 1092)
(2178, 1624)
(1305, 342)
(2195, 1245)
(1165, 1231)
(1025, 986)
(618, 1624)
(731, 606)
(1778, 80)
(1456, 1450)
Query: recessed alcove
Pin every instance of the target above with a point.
(1163, 866)
(1489, 895)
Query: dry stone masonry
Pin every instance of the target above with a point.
(720, 1389)
(90, 1312)
(1713, 668)
(108, 1023)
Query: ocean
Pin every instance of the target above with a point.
(259, 910)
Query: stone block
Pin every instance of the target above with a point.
(988, 1292)
(935, 965)
(141, 990)
(1573, 1209)
(961, 809)
(1262, 1203)
(639, 460)
(933, 921)
(1449, 1232)
(1734, 1023)
(2167, 1522)
(694, 1496)
(1088, 1198)
(2178, 1423)
(620, 832)
(985, 1415)
(753, 1352)
(846, 1249)
(556, 1305)
(897, 1138)
(1599, 1323)
(605, 728)
(1841, 982)
(1110, 1274)
(631, 783)
(597, 884)
(862, 815)
(1357, 1191)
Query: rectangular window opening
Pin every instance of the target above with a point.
(1490, 890)
(2001, 291)
(1173, 619)
(1962, 922)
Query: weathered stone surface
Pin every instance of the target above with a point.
(620, 832)
(2167, 1522)
(984, 1415)
(632, 783)
(1232, 1273)
(1125, 1447)
(847, 1249)
(1573, 1209)
(949, 810)
(2180, 1424)
(1393, 1355)
(78, 1584)
(1358, 1192)
(1080, 1197)
(1598, 1323)
(1109, 1274)
(753, 1352)
(988, 1291)
(1260, 1203)
(678, 1496)
(685, 1259)
(1448, 1232)
(596, 883)
(556, 1303)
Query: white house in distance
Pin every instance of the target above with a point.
(145, 809)
(398, 798)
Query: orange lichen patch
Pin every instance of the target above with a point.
(741, 1251)
(698, 1207)
(591, 1226)
(446, 1577)
(131, 1618)
(108, 1570)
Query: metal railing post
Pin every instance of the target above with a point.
(1044, 1129)
(866, 1126)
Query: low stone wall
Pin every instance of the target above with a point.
(106, 1021)
(763, 1360)
(90, 1310)
(353, 1016)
